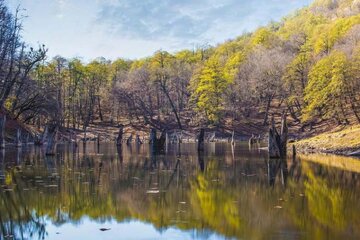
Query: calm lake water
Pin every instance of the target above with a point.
(110, 193)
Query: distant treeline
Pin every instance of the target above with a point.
(308, 64)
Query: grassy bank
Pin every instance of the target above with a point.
(344, 140)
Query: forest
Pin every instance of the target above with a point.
(221, 169)
(307, 64)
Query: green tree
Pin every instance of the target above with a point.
(324, 94)
(210, 86)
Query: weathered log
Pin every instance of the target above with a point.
(18, 138)
(200, 140)
(120, 135)
(52, 140)
(2, 131)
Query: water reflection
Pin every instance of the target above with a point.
(224, 192)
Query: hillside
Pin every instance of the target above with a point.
(345, 140)
(307, 65)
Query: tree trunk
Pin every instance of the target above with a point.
(100, 112)
(44, 135)
(120, 135)
(52, 140)
(152, 138)
(201, 138)
(278, 141)
(129, 140)
(353, 108)
(2, 131)
(268, 104)
(138, 140)
(233, 138)
(173, 108)
(18, 138)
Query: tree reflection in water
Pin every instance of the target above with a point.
(230, 191)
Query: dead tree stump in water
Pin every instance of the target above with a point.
(161, 141)
(200, 139)
(138, 140)
(40, 140)
(129, 140)
(251, 140)
(75, 139)
(278, 141)
(233, 138)
(152, 138)
(18, 138)
(120, 135)
(2, 131)
(52, 140)
(157, 145)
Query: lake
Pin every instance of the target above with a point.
(106, 192)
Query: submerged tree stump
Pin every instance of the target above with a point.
(120, 135)
(40, 140)
(75, 139)
(138, 140)
(2, 131)
(152, 138)
(129, 140)
(278, 141)
(233, 138)
(200, 140)
(212, 137)
(157, 145)
(51, 140)
(161, 141)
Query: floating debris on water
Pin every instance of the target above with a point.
(104, 229)
(153, 191)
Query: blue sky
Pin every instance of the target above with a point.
(137, 28)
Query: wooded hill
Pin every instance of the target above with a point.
(308, 65)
